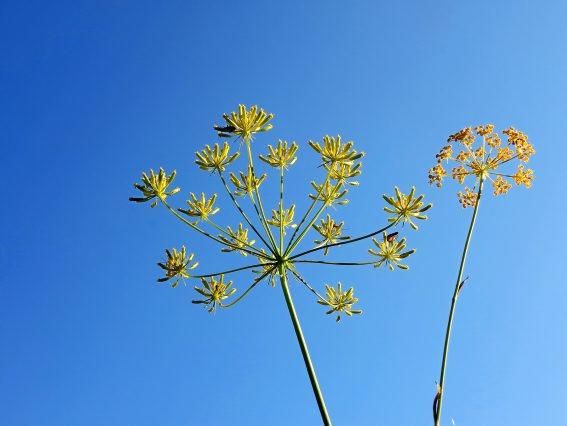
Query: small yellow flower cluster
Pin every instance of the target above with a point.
(340, 301)
(406, 207)
(390, 251)
(484, 161)
(215, 159)
(177, 265)
(286, 220)
(247, 183)
(154, 186)
(237, 239)
(214, 291)
(245, 123)
(202, 207)
(283, 155)
(330, 231)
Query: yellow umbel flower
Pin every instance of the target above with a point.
(155, 186)
(247, 183)
(484, 161)
(330, 232)
(201, 207)
(215, 159)
(283, 155)
(333, 150)
(390, 251)
(468, 198)
(286, 218)
(238, 239)
(340, 301)
(214, 292)
(329, 193)
(177, 265)
(245, 123)
(523, 176)
(500, 185)
(343, 172)
(406, 207)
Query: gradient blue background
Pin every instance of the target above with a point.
(93, 93)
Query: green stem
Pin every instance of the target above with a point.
(324, 262)
(257, 191)
(341, 243)
(244, 215)
(242, 268)
(438, 402)
(281, 208)
(304, 351)
(249, 289)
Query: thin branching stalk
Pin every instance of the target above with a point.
(438, 401)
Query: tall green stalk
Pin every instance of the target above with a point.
(438, 401)
(304, 351)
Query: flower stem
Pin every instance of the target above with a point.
(304, 351)
(438, 401)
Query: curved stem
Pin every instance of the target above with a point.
(324, 262)
(441, 387)
(244, 215)
(304, 351)
(352, 240)
(249, 289)
(281, 209)
(306, 284)
(229, 271)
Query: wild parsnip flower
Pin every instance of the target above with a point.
(214, 291)
(390, 251)
(485, 161)
(155, 186)
(245, 123)
(238, 239)
(406, 207)
(201, 207)
(343, 172)
(329, 193)
(333, 150)
(468, 198)
(247, 183)
(340, 301)
(215, 159)
(330, 232)
(177, 265)
(283, 155)
(286, 216)
(275, 255)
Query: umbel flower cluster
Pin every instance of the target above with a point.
(481, 154)
(273, 239)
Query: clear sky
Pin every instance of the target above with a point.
(93, 93)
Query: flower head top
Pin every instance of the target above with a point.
(214, 291)
(286, 219)
(485, 160)
(177, 265)
(390, 251)
(247, 183)
(202, 207)
(340, 301)
(406, 207)
(335, 151)
(155, 186)
(245, 123)
(283, 155)
(329, 193)
(238, 239)
(215, 159)
(343, 172)
(330, 232)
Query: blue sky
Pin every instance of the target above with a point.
(93, 93)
